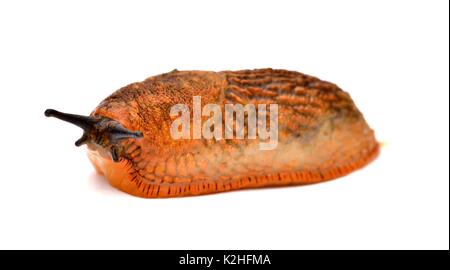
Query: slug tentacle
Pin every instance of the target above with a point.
(100, 130)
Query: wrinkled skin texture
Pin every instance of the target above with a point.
(322, 135)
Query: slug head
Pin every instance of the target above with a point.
(99, 130)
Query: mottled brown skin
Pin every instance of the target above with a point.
(322, 135)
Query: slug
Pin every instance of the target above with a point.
(321, 135)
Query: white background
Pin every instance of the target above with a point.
(391, 56)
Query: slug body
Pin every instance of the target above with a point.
(321, 134)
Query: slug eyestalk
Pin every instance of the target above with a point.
(100, 130)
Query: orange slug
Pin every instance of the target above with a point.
(321, 135)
